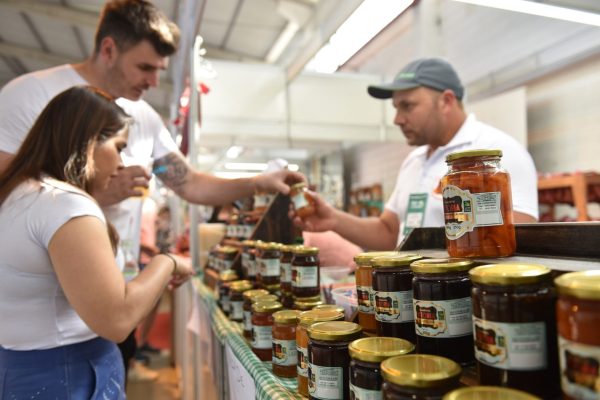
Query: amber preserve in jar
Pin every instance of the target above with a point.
(303, 201)
(578, 317)
(478, 205)
(285, 354)
(305, 272)
(262, 328)
(514, 327)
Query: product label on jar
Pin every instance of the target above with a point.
(305, 276)
(261, 200)
(443, 318)
(302, 365)
(464, 211)
(269, 266)
(284, 352)
(299, 201)
(358, 393)
(252, 267)
(247, 320)
(394, 307)
(579, 369)
(225, 303)
(364, 295)
(262, 337)
(236, 310)
(513, 346)
(245, 258)
(226, 264)
(286, 272)
(325, 382)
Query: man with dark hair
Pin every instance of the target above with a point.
(133, 42)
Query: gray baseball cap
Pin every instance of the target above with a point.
(434, 73)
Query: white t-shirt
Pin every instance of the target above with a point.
(419, 174)
(34, 311)
(23, 99)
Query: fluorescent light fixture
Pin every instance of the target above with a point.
(254, 167)
(234, 151)
(365, 23)
(540, 9)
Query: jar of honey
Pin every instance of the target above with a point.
(367, 355)
(225, 278)
(514, 327)
(578, 316)
(419, 377)
(262, 328)
(305, 272)
(328, 359)
(285, 355)
(478, 205)
(392, 287)
(307, 303)
(249, 296)
(236, 299)
(364, 289)
(306, 319)
(285, 280)
(443, 309)
(488, 393)
(303, 201)
(268, 264)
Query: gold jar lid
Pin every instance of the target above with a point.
(254, 293)
(330, 307)
(228, 249)
(303, 250)
(286, 317)
(399, 260)
(288, 248)
(582, 284)
(268, 246)
(264, 297)
(266, 306)
(364, 259)
(488, 393)
(240, 286)
(376, 349)
(441, 265)
(509, 274)
(299, 185)
(420, 370)
(228, 275)
(309, 317)
(473, 153)
(307, 303)
(249, 243)
(272, 288)
(334, 331)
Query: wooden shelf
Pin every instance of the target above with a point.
(579, 184)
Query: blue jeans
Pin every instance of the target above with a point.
(87, 370)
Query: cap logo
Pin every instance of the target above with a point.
(406, 75)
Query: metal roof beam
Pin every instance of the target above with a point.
(69, 14)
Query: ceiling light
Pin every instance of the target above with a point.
(365, 23)
(234, 151)
(539, 9)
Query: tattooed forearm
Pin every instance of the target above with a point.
(172, 170)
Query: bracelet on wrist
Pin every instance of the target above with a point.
(174, 262)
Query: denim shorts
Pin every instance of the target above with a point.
(87, 370)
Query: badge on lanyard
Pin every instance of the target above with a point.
(417, 202)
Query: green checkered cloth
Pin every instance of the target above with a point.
(268, 386)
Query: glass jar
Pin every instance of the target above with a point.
(262, 201)
(303, 201)
(442, 308)
(307, 303)
(247, 269)
(306, 319)
(478, 205)
(262, 327)
(228, 254)
(514, 327)
(367, 355)
(287, 299)
(578, 317)
(364, 289)
(285, 356)
(305, 272)
(328, 359)
(225, 279)
(285, 280)
(249, 296)
(267, 261)
(488, 393)
(419, 377)
(236, 299)
(392, 288)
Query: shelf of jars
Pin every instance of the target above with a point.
(577, 189)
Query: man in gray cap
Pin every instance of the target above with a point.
(427, 95)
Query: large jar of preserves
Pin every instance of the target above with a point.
(514, 327)
(285, 356)
(578, 316)
(305, 272)
(364, 289)
(419, 377)
(367, 355)
(268, 260)
(303, 201)
(328, 359)
(236, 299)
(306, 319)
(249, 296)
(262, 328)
(488, 393)
(392, 287)
(442, 308)
(478, 205)
(223, 292)
(307, 303)
(285, 279)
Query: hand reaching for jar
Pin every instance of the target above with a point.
(323, 219)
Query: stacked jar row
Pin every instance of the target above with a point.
(221, 258)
